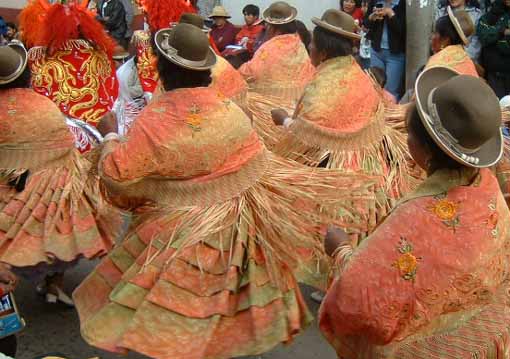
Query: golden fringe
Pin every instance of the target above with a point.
(371, 148)
(279, 212)
(260, 103)
(18, 156)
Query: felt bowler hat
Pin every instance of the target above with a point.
(462, 23)
(280, 13)
(193, 19)
(462, 115)
(13, 61)
(187, 46)
(338, 22)
(219, 11)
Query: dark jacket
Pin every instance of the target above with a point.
(396, 28)
(495, 45)
(116, 23)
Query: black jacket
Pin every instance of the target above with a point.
(396, 28)
(116, 23)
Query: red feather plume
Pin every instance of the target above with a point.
(31, 21)
(73, 22)
(160, 13)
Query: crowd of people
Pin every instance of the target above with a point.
(215, 169)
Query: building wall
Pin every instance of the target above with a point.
(306, 8)
(9, 9)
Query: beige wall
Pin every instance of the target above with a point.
(13, 4)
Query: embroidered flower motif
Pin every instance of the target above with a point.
(447, 211)
(492, 221)
(407, 263)
(194, 120)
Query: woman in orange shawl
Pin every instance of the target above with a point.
(278, 72)
(71, 64)
(432, 281)
(450, 36)
(339, 122)
(206, 271)
(51, 209)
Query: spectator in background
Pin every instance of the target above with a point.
(386, 23)
(353, 8)
(130, 15)
(12, 32)
(474, 47)
(112, 15)
(223, 32)
(494, 34)
(246, 38)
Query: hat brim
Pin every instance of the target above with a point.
(20, 49)
(273, 21)
(335, 29)
(489, 153)
(212, 16)
(207, 64)
(457, 26)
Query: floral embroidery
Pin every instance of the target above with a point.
(447, 211)
(194, 120)
(407, 263)
(492, 221)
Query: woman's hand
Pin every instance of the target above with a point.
(279, 115)
(334, 239)
(8, 279)
(108, 124)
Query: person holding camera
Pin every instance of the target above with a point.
(386, 23)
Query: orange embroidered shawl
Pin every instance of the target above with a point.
(229, 81)
(182, 134)
(279, 64)
(340, 117)
(28, 141)
(456, 58)
(80, 79)
(276, 76)
(435, 262)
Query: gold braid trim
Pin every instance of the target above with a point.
(189, 193)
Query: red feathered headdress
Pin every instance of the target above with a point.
(161, 13)
(63, 22)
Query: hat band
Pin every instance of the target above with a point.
(174, 54)
(445, 136)
(279, 20)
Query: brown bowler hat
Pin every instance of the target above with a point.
(338, 22)
(462, 23)
(187, 46)
(193, 19)
(13, 61)
(462, 115)
(280, 13)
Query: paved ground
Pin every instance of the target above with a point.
(56, 329)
